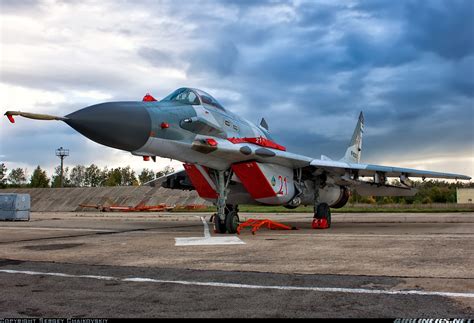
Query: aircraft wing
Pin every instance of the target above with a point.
(341, 167)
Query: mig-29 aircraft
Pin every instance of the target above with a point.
(229, 160)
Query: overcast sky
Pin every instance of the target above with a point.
(308, 67)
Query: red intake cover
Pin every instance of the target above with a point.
(253, 180)
(201, 181)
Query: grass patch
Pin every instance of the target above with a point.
(369, 208)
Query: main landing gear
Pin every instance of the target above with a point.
(322, 217)
(226, 219)
(322, 212)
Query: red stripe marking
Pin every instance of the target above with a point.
(260, 141)
(253, 180)
(200, 183)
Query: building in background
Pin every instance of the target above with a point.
(465, 195)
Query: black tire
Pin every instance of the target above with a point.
(329, 217)
(324, 212)
(232, 221)
(219, 226)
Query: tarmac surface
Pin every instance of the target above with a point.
(172, 265)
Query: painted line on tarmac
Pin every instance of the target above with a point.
(247, 286)
(207, 240)
(403, 235)
(55, 229)
(207, 233)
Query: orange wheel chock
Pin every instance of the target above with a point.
(257, 224)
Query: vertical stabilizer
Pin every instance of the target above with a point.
(354, 150)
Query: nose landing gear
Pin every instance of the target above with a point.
(230, 223)
(232, 219)
(226, 219)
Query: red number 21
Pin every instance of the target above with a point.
(283, 181)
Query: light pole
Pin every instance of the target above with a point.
(61, 153)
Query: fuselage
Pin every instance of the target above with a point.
(167, 128)
(176, 129)
(199, 133)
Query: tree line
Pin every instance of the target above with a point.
(78, 176)
(430, 191)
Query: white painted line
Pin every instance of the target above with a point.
(27, 272)
(327, 235)
(247, 286)
(199, 241)
(207, 233)
(207, 240)
(55, 229)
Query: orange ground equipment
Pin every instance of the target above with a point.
(190, 207)
(257, 224)
(138, 208)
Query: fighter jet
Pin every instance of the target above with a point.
(230, 161)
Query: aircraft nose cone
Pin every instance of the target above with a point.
(121, 125)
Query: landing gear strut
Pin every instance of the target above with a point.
(322, 212)
(226, 219)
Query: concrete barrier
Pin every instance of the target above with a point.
(14, 207)
(68, 199)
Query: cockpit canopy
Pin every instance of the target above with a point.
(186, 95)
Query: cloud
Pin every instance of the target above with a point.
(157, 57)
(19, 7)
(445, 28)
(218, 59)
(308, 67)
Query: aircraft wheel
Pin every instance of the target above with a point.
(323, 212)
(219, 226)
(232, 221)
(329, 217)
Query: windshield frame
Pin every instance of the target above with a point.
(172, 97)
(212, 101)
(202, 96)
